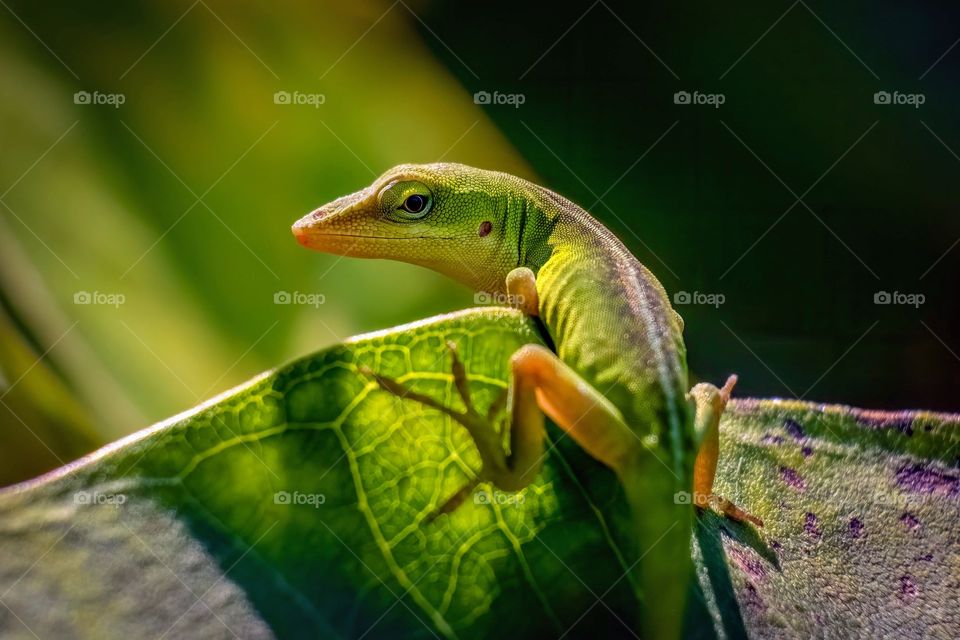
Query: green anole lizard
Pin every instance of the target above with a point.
(617, 382)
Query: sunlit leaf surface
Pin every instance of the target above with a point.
(295, 506)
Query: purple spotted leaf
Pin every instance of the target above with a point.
(862, 514)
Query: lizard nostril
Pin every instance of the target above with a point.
(485, 228)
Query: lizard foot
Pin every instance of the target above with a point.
(728, 509)
(480, 427)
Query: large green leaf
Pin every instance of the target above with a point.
(295, 505)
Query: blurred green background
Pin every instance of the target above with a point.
(170, 212)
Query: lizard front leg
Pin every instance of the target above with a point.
(522, 291)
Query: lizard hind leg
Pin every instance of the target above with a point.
(539, 384)
(710, 403)
(481, 428)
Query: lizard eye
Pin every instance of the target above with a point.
(406, 201)
(415, 203)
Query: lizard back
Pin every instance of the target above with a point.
(610, 320)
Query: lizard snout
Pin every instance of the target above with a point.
(302, 228)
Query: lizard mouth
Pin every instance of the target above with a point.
(311, 232)
(317, 239)
(352, 235)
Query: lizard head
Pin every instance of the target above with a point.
(450, 218)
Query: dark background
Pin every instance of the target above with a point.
(801, 298)
(706, 197)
